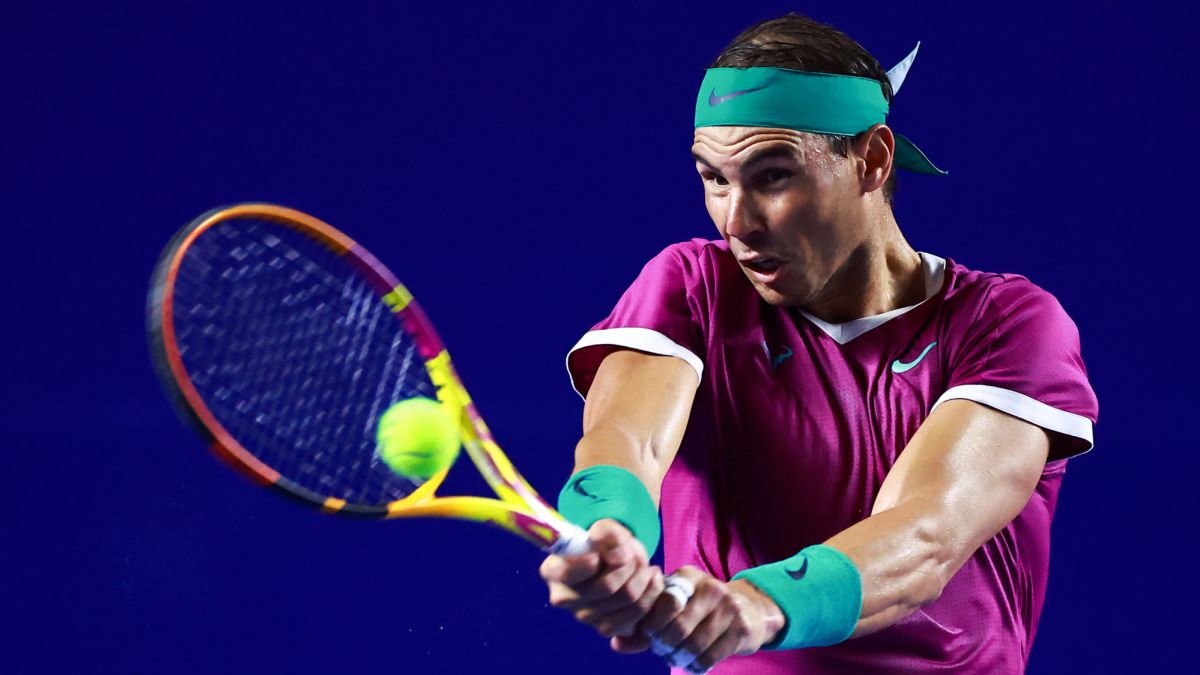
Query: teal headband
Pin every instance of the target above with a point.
(822, 103)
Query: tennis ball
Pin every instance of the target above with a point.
(417, 438)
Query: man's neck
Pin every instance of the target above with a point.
(880, 275)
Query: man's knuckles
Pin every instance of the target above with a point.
(646, 602)
(717, 594)
(739, 628)
(611, 585)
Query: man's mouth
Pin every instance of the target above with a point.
(762, 264)
(763, 269)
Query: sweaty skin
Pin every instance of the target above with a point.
(784, 195)
(810, 229)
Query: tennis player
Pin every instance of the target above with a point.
(856, 447)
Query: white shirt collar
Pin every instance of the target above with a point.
(844, 332)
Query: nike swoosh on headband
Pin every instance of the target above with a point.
(714, 100)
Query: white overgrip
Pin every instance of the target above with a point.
(573, 540)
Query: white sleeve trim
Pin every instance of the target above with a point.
(641, 339)
(1023, 407)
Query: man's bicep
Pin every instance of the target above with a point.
(975, 465)
(635, 414)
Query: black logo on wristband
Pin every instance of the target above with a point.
(798, 574)
(579, 489)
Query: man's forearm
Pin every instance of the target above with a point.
(612, 446)
(905, 555)
(635, 415)
(964, 476)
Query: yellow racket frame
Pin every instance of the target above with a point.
(518, 509)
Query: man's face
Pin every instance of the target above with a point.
(790, 209)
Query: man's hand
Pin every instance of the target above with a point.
(612, 587)
(720, 620)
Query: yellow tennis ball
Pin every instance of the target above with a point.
(417, 438)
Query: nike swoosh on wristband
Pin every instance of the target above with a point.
(798, 574)
(714, 100)
(900, 367)
(578, 487)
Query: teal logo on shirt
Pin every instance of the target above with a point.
(777, 359)
(900, 367)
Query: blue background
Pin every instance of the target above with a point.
(517, 166)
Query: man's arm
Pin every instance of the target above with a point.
(634, 417)
(967, 472)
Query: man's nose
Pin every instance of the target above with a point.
(743, 219)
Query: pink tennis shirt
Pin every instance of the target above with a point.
(797, 422)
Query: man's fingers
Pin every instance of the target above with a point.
(666, 607)
(734, 625)
(622, 611)
(595, 582)
(629, 644)
(570, 569)
(709, 592)
(681, 588)
(566, 576)
(608, 583)
(725, 646)
(706, 633)
(679, 628)
(614, 543)
(733, 640)
(563, 596)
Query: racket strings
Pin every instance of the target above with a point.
(295, 355)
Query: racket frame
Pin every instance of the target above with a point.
(519, 508)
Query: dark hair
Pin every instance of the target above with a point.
(800, 43)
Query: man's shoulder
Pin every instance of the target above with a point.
(698, 250)
(994, 294)
(706, 261)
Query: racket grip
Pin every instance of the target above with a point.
(572, 541)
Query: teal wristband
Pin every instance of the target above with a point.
(819, 591)
(605, 491)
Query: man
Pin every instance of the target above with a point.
(858, 447)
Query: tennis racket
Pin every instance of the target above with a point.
(281, 342)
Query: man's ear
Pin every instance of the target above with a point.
(874, 149)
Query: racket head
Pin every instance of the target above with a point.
(281, 341)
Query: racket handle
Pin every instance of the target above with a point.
(572, 541)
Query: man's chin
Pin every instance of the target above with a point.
(774, 297)
(772, 293)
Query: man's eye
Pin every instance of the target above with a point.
(716, 180)
(776, 175)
